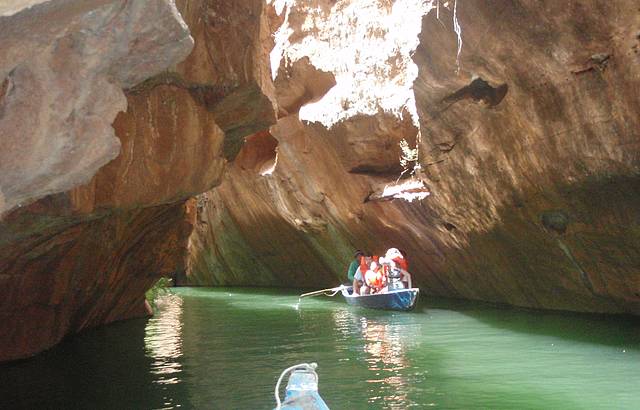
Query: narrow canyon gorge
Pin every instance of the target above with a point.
(253, 143)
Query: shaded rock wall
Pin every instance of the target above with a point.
(530, 149)
(87, 255)
(296, 226)
(536, 172)
(82, 274)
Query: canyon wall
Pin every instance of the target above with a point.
(528, 144)
(145, 138)
(96, 203)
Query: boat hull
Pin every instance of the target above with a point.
(401, 299)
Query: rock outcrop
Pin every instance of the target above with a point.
(86, 256)
(528, 143)
(63, 68)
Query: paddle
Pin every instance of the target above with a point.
(323, 292)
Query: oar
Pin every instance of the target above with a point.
(322, 292)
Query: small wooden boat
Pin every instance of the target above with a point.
(397, 299)
(396, 296)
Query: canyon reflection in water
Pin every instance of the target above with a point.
(385, 344)
(224, 349)
(163, 341)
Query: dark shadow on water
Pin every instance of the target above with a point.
(100, 368)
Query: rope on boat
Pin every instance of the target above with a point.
(323, 292)
(334, 292)
(306, 366)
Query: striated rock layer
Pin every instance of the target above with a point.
(80, 274)
(86, 256)
(529, 146)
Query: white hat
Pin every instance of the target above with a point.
(392, 253)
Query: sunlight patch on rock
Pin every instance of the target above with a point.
(366, 44)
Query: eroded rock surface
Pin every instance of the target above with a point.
(86, 256)
(75, 274)
(551, 131)
(528, 143)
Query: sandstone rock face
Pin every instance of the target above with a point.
(75, 275)
(533, 155)
(231, 61)
(295, 226)
(86, 256)
(63, 65)
(365, 44)
(529, 146)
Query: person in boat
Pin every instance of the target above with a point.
(359, 287)
(375, 277)
(354, 265)
(394, 261)
(359, 284)
(405, 267)
(395, 258)
(395, 269)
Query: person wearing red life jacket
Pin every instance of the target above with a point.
(368, 278)
(375, 277)
(395, 259)
(359, 284)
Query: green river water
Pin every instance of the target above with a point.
(224, 349)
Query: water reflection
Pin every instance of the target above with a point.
(163, 342)
(385, 343)
(201, 351)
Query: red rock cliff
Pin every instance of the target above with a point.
(528, 144)
(86, 255)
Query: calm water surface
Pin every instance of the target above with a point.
(224, 349)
